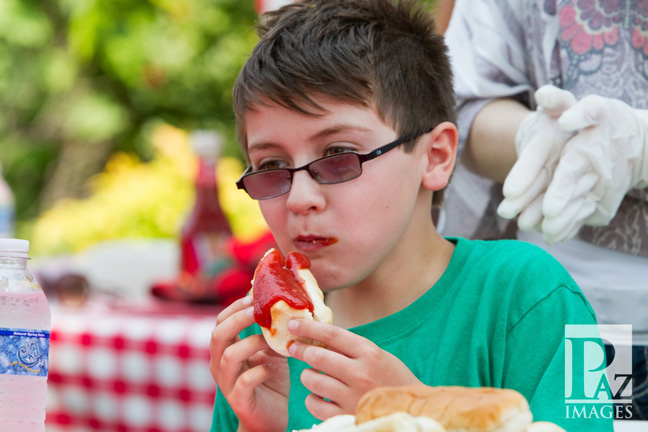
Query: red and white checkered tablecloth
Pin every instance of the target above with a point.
(137, 370)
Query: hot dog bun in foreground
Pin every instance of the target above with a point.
(421, 408)
(282, 293)
(542, 426)
(397, 422)
(456, 408)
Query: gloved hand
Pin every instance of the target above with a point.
(539, 143)
(606, 158)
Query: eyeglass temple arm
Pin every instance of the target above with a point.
(392, 145)
(239, 182)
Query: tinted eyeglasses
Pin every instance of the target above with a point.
(337, 168)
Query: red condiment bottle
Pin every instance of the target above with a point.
(206, 228)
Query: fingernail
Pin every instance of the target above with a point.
(292, 325)
(247, 300)
(292, 348)
(249, 311)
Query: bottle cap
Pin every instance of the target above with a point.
(14, 248)
(207, 143)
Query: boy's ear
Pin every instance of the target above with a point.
(441, 152)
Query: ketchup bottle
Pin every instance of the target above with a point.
(206, 229)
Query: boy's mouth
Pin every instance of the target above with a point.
(311, 243)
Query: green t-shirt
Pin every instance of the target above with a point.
(495, 318)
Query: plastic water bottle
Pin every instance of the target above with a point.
(24, 342)
(7, 208)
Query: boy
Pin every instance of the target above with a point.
(339, 79)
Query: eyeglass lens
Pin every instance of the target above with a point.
(267, 184)
(336, 169)
(330, 170)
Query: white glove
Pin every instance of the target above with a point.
(539, 142)
(605, 159)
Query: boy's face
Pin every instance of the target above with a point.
(351, 231)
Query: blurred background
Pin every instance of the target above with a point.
(97, 99)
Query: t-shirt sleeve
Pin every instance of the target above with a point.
(224, 419)
(486, 43)
(489, 59)
(539, 374)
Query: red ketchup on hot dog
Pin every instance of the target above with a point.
(274, 282)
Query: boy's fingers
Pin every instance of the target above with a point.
(227, 331)
(334, 360)
(333, 337)
(242, 390)
(232, 361)
(236, 306)
(225, 334)
(254, 377)
(319, 358)
(320, 408)
(324, 385)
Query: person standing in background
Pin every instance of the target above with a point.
(552, 98)
(443, 14)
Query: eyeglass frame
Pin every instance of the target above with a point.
(362, 158)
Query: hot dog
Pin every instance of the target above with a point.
(282, 293)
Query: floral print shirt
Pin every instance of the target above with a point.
(509, 48)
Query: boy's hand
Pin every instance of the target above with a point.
(253, 378)
(351, 366)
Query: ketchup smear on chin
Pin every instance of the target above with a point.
(274, 282)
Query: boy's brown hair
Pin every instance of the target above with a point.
(374, 53)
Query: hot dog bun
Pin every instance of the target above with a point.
(436, 409)
(338, 423)
(277, 335)
(397, 422)
(456, 408)
(543, 426)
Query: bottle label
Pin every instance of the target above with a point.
(24, 352)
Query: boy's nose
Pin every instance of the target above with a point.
(305, 194)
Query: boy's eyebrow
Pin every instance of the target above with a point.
(332, 130)
(340, 127)
(261, 146)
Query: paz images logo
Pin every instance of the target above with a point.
(596, 386)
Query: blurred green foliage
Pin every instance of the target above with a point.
(83, 79)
